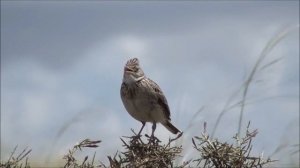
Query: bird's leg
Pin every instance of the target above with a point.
(153, 129)
(141, 128)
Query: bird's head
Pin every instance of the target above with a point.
(132, 71)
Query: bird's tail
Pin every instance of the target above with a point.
(171, 127)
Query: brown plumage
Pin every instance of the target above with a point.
(143, 98)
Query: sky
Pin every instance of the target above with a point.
(62, 67)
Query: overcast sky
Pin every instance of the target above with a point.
(62, 67)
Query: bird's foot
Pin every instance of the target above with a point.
(152, 139)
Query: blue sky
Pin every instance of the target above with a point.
(62, 66)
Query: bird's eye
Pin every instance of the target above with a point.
(128, 69)
(131, 69)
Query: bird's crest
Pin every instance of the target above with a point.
(133, 62)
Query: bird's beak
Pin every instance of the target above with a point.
(128, 70)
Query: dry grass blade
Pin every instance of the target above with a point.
(268, 48)
(246, 84)
(214, 153)
(71, 161)
(146, 153)
(194, 117)
(16, 162)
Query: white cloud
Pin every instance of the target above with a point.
(200, 62)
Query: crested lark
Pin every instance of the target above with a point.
(143, 99)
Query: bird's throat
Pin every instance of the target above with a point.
(131, 79)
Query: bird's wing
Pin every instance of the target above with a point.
(161, 99)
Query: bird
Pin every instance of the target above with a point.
(143, 99)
